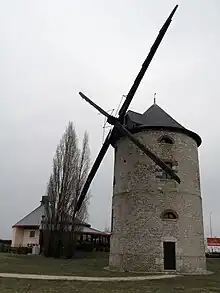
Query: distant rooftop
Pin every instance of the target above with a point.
(34, 218)
(33, 221)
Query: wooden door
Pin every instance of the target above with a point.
(169, 251)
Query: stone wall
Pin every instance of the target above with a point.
(139, 199)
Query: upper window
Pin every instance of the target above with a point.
(163, 174)
(166, 140)
(169, 214)
(32, 234)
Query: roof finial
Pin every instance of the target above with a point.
(155, 98)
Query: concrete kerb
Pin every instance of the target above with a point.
(88, 279)
(165, 273)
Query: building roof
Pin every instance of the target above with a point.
(34, 218)
(90, 230)
(155, 117)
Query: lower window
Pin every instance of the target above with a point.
(32, 234)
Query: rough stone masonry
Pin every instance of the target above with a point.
(143, 194)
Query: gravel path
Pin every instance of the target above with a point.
(78, 278)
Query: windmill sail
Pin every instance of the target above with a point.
(118, 122)
(145, 65)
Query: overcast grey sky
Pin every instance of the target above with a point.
(50, 50)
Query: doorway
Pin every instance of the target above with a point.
(169, 255)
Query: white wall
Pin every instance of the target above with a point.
(21, 237)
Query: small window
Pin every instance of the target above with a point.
(169, 214)
(162, 174)
(167, 176)
(166, 140)
(169, 164)
(32, 234)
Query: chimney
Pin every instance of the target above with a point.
(44, 200)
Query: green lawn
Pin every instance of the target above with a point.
(30, 264)
(93, 267)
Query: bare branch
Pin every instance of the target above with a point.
(70, 170)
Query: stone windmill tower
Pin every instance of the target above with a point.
(157, 210)
(157, 223)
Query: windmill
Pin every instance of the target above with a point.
(119, 127)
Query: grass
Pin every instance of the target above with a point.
(93, 267)
(30, 264)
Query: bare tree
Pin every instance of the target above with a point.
(81, 176)
(70, 170)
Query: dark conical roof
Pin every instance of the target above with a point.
(155, 117)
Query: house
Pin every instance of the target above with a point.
(26, 232)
